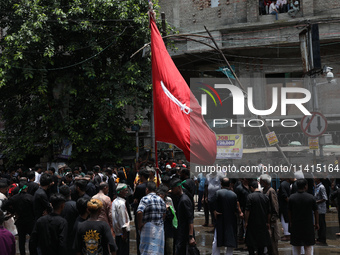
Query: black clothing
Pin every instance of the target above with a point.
(54, 187)
(123, 246)
(91, 189)
(97, 180)
(41, 203)
(139, 194)
(49, 235)
(74, 232)
(70, 214)
(242, 194)
(257, 234)
(336, 196)
(168, 227)
(226, 224)
(301, 206)
(185, 217)
(189, 188)
(310, 181)
(22, 206)
(32, 188)
(94, 235)
(322, 228)
(283, 194)
(112, 188)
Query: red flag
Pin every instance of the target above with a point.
(177, 114)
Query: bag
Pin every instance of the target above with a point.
(192, 250)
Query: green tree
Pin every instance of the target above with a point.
(66, 73)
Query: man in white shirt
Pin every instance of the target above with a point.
(294, 9)
(38, 170)
(120, 220)
(273, 10)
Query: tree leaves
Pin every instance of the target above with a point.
(66, 73)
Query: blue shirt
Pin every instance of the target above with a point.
(202, 179)
(153, 208)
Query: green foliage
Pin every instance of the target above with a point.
(66, 73)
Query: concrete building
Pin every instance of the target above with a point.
(261, 50)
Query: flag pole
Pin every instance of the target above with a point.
(152, 15)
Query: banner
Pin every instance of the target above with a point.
(229, 146)
(272, 139)
(313, 143)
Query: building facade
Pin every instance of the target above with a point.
(264, 53)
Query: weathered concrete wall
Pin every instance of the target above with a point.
(191, 15)
(326, 6)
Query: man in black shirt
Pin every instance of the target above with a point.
(80, 186)
(49, 235)
(69, 213)
(336, 196)
(41, 204)
(257, 220)
(185, 216)
(112, 186)
(301, 206)
(32, 186)
(189, 184)
(93, 235)
(21, 205)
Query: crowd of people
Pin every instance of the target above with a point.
(274, 7)
(68, 211)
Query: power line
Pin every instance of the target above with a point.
(73, 65)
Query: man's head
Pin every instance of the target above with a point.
(61, 168)
(94, 206)
(58, 202)
(4, 186)
(45, 180)
(150, 187)
(176, 187)
(104, 187)
(162, 191)
(91, 174)
(31, 176)
(51, 169)
(122, 190)
(82, 205)
(144, 175)
(38, 168)
(166, 180)
(81, 186)
(301, 184)
(225, 182)
(317, 180)
(96, 169)
(69, 177)
(23, 187)
(65, 191)
(184, 174)
(254, 185)
(108, 171)
(265, 180)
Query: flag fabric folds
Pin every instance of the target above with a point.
(177, 114)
